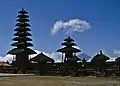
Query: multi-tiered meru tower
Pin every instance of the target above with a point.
(69, 50)
(22, 41)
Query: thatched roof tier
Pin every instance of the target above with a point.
(69, 44)
(23, 20)
(22, 34)
(23, 24)
(68, 49)
(42, 58)
(18, 51)
(22, 43)
(21, 38)
(23, 16)
(22, 29)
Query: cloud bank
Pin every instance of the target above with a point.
(117, 53)
(6, 58)
(70, 26)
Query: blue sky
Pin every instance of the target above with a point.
(103, 16)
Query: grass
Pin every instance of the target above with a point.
(57, 81)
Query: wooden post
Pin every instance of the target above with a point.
(13, 57)
(62, 57)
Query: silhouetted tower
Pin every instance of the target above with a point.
(22, 41)
(69, 50)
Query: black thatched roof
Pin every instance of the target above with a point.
(22, 43)
(22, 34)
(42, 58)
(22, 20)
(68, 49)
(69, 44)
(100, 57)
(18, 51)
(23, 24)
(22, 29)
(23, 16)
(117, 59)
(22, 38)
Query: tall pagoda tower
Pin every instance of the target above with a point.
(69, 50)
(22, 42)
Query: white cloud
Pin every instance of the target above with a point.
(6, 58)
(70, 26)
(117, 53)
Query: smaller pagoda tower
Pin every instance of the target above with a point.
(69, 50)
(22, 42)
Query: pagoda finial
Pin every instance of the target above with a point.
(22, 9)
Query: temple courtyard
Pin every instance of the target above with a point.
(34, 80)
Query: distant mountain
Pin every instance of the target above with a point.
(83, 55)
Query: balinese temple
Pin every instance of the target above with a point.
(69, 50)
(22, 41)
